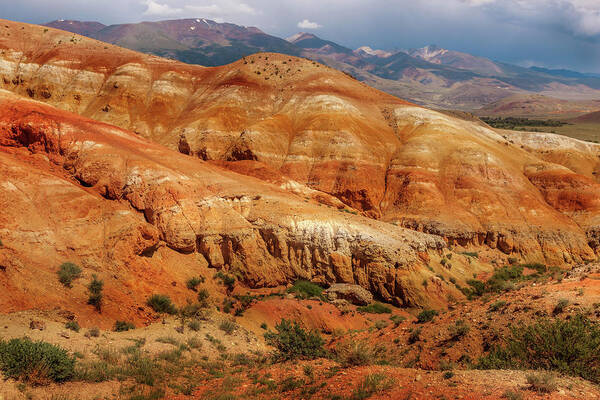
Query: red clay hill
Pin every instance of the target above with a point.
(148, 171)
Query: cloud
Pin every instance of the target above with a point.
(218, 10)
(579, 17)
(306, 24)
(156, 9)
(223, 8)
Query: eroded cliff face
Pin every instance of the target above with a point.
(143, 216)
(306, 147)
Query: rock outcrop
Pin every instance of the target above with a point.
(378, 155)
(353, 294)
(144, 217)
(289, 170)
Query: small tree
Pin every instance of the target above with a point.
(95, 290)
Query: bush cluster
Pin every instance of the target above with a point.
(161, 304)
(35, 362)
(292, 341)
(375, 308)
(67, 273)
(306, 290)
(95, 293)
(571, 347)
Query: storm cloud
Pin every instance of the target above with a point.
(551, 33)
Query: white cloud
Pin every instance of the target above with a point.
(157, 9)
(222, 8)
(218, 9)
(306, 24)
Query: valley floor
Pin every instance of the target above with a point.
(391, 355)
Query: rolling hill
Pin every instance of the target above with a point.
(430, 76)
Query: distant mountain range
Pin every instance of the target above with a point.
(431, 76)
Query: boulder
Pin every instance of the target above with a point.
(354, 294)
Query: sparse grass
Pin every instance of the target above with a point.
(292, 341)
(542, 382)
(194, 325)
(226, 279)
(168, 340)
(93, 332)
(194, 343)
(371, 385)
(414, 335)
(306, 290)
(161, 304)
(512, 395)
(228, 326)
(355, 353)
(35, 362)
(397, 319)
(560, 306)
(67, 273)
(497, 305)
(375, 308)
(459, 329)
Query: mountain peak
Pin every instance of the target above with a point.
(368, 51)
(301, 36)
(429, 52)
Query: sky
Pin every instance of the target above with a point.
(547, 33)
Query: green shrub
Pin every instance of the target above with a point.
(263, 326)
(95, 293)
(35, 362)
(473, 254)
(375, 308)
(570, 347)
(123, 326)
(161, 304)
(67, 273)
(372, 384)
(292, 341)
(426, 316)
(72, 325)
(193, 283)
(306, 290)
